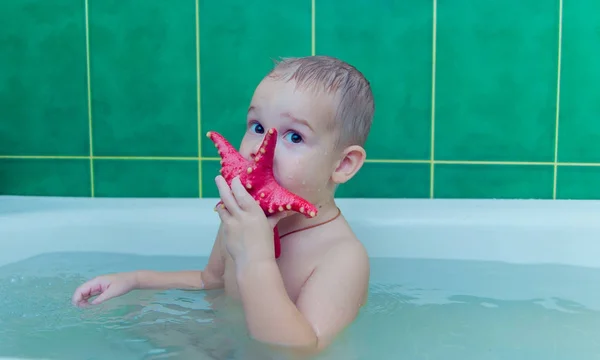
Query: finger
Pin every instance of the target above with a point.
(84, 301)
(86, 291)
(243, 198)
(106, 295)
(227, 196)
(223, 212)
(219, 205)
(77, 296)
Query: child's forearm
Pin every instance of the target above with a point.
(186, 280)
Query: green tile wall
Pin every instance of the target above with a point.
(111, 98)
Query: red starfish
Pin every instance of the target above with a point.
(257, 176)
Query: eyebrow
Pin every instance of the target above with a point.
(289, 116)
(298, 120)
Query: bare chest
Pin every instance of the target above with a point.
(295, 266)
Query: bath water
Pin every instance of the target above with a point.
(417, 309)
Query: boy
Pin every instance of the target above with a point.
(322, 109)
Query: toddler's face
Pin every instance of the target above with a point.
(304, 157)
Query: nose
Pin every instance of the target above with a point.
(256, 147)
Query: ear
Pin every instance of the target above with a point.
(353, 158)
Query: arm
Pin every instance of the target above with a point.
(209, 278)
(329, 300)
(109, 286)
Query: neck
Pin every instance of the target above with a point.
(296, 221)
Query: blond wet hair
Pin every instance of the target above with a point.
(354, 105)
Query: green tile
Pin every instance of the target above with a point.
(496, 80)
(43, 78)
(580, 75)
(494, 181)
(578, 182)
(143, 76)
(146, 178)
(390, 42)
(210, 170)
(388, 180)
(45, 177)
(238, 43)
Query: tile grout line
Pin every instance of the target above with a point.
(433, 75)
(198, 99)
(313, 30)
(557, 119)
(89, 97)
(378, 161)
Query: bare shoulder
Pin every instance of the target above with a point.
(338, 286)
(347, 257)
(343, 261)
(343, 243)
(345, 246)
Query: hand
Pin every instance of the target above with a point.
(106, 286)
(247, 232)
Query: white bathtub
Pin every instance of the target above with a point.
(519, 231)
(494, 309)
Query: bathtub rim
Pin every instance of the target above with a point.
(519, 231)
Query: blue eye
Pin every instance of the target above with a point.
(258, 128)
(294, 137)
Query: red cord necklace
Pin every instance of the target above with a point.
(314, 225)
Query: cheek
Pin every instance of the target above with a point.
(289, 173)
(307, 179)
